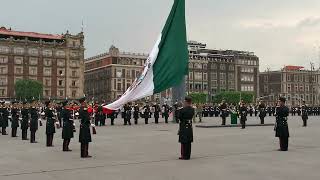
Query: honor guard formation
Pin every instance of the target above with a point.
(31, 115)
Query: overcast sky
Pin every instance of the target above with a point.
(280, 32)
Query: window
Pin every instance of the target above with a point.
(73, 83)
(265, 78)
(213, 66)
(33, 61)
(60, 53)
(73, 63)
(247, 69)
(231, 68)
(60, 62)
(190, 75)
(18, 70)
(222, 67)
(288, 77)
(47, 93)
(214, 83)
(33, 52)
(230, 76)
(247, 78)
(60, 82)
(47, 71)
(74, 93)
(214, 76)
(60, 72)
(33, 71)
(74, 73)
(74, 54)
(3, 69)
(3, 80)
(47, 82)
(190, 65)
(119, 86)
(61, 93)
(128, 74)
(247, 88)
(3, 59)
(198, 76)
(3, 92)
(47, 52)
(47, 62)
(4, 49)
(222, 75)
(205, 76)
(18, 60)
(18, 50)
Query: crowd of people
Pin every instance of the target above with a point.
(29, 115)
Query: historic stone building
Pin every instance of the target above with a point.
(213, 71)
(57, 61)
(293, 82)
(109, 75)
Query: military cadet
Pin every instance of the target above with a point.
(112, 117)
(50, 123)
(146, 113)
(185, 133)
(165, 112)
(281, 126)
(100, 116)
(199, 112)
(304, 115)
(34, 122)
(136, 113)
(67, 128)
(157, 111)
(243, 112)
(5, 118)
(250, 110)
(262, 111)
(224, 112)
(14, 119)
(25, 120)
(85, 134)
(127, 114)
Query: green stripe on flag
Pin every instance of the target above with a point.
(171, 64)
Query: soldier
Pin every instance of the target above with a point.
(14, 119)
(250, 110)
(127, 114)
(67, 128)
(50, 124)
(281, 126)
(243, 112)
(262, 111)
(224, 112)
(85, 134)
(199, 112)
(185, 128)
(136, 113)
(33, 122)
(25, 120)
(157, 112)
(5, 118)
(304, 115)
(165, 112)
(146, 113)
(100, 116)
(112, 117)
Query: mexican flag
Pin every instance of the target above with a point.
(167, 63)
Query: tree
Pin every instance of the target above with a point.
(28, 89)
(199, 98)
(234, 97)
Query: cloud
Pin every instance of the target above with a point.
(309, 22)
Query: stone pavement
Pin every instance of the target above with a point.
(150, 152)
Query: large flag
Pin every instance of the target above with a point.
(167, 63)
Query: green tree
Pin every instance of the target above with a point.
(28, 89)
(198, 98)
(234, 97)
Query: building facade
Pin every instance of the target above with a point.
(293, 82)
(213, 71)
(109, 75)
(57, 61)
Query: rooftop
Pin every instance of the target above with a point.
(9, 32)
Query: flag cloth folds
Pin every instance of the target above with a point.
(167, 63)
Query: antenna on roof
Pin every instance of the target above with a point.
(82, 25)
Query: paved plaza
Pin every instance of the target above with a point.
(150, 152)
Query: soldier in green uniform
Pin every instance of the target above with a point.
(85, 134)
(14, 119)
(25, 120)
(185, 133)
(67, 128)
(4, 117)
(281, 126)
(34, 121)
(304, 115)
(50, 125)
